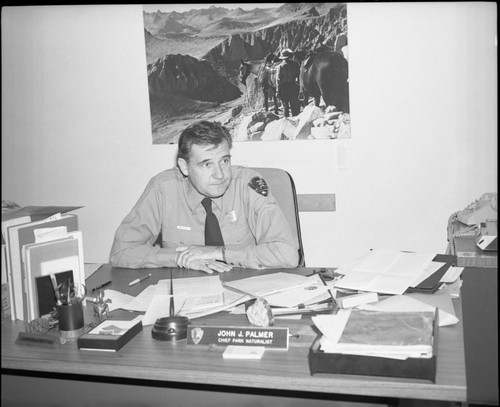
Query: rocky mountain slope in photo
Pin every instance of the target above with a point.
(196, 55)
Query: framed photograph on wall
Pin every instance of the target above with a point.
(267, 71)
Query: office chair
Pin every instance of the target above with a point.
(281, 185)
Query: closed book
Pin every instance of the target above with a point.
(6, 223)
(110, 335)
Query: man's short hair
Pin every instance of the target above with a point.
(202, 133)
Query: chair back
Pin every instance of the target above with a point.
(281, 185)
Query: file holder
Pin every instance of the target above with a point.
(413, 368)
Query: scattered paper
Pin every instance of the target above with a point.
(451, 275)
(267, 284)
(313, 288)
(428, 271)
(160, 308)
(384, 271)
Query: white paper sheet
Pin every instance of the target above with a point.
(384, 271)
(267, 284)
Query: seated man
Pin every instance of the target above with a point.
(255, 233)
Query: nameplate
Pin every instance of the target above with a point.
(32, 339)
(275, 338)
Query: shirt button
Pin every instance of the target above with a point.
(182, 242)
(260, 266)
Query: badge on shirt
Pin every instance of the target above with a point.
(259, 185)
(183, 227)
(231, 217)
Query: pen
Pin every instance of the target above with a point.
(56, 290)
(138, 280)
(172, 312)
(335, 306)
(102, 285)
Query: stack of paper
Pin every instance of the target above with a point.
(397, 335)
(287, 293)
(386, 271)
(267, 284)
(194, 297)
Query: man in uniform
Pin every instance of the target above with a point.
(287, 83)
(254, 230)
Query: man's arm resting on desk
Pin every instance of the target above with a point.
(143, 256)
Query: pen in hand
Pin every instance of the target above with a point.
(138, 280)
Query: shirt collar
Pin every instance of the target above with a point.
(194, 198)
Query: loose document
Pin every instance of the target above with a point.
(387, 271)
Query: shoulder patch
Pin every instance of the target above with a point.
(259, 185)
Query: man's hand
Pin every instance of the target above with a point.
(203, 258)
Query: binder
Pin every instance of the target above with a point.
(6, 223)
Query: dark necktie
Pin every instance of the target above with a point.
(213, 235)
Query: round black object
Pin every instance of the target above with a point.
(170, 328)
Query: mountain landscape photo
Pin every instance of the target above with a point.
(193, 66)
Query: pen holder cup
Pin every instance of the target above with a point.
(71, 324)
(170, 329)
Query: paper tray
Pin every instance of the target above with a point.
(414, 368)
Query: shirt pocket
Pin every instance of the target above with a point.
(238, 235)
(175, 237)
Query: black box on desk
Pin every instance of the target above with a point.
(108, 341)
(413, 368)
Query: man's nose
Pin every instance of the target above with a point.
(218, 173)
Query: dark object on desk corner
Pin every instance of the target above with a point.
(432, 283)
(414, 368)
(170, 328)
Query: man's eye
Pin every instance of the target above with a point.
(226, 161)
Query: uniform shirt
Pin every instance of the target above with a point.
(255, 231)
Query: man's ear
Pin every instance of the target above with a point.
(181, 162)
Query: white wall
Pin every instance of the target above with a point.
(423, 83)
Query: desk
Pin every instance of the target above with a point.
(148, 362)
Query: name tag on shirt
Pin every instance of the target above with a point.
(183, 227)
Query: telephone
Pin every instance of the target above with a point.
(479, 211)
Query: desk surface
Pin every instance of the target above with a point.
(147, 359)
